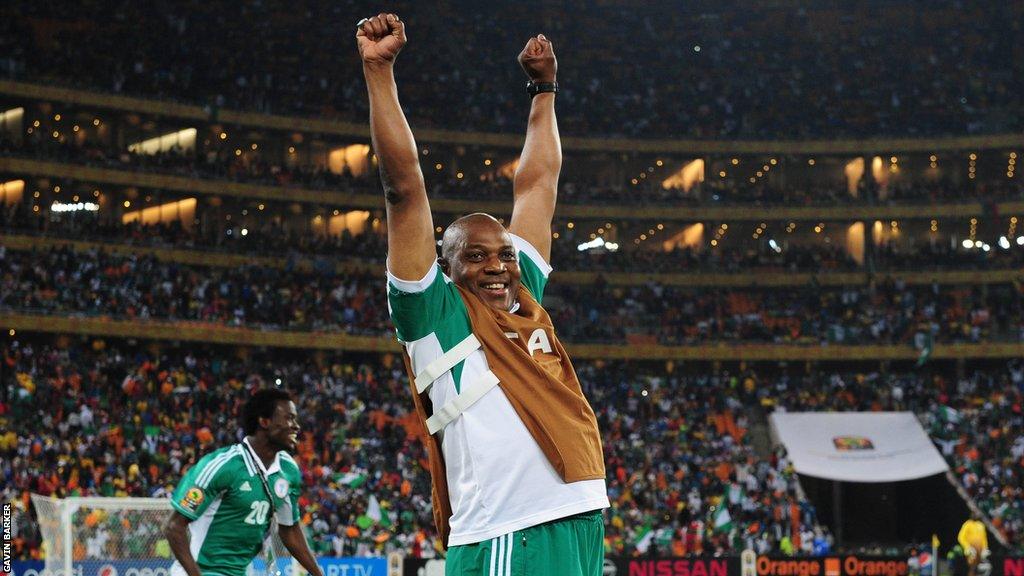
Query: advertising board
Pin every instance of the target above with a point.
(833, 565)
(330, 566)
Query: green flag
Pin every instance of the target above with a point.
(373, 509)
(721, 520)
(644, 538)
(352, 479)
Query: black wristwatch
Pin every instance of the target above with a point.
(534, 88)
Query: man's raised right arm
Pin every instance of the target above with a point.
(411, 251)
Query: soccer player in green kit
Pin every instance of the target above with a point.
(224, 505)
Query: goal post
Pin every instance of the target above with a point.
(98, 536)
(82, 529)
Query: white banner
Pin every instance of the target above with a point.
(858, 446)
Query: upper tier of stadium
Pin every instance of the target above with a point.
(701, 71)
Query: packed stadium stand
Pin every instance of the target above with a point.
(61, 281)
(837, 70)
(750, 222)
(675, 443)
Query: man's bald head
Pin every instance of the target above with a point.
(457, 233)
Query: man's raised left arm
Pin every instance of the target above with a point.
(535, 187)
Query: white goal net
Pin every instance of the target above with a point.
(117, 537)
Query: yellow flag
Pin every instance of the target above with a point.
(935, 540)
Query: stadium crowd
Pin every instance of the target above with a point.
(93, 417)
(272, 235)
(267, 237)
(728, 72)
(886, 312)
(800, 255)
(218, 160)
(119, 420)
(141, 287)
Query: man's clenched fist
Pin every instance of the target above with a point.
(538, 59)
(380, 38)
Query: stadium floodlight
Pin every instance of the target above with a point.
(1004, 243)
(986, 247)
(1020, 240)
(74, 207)
(968, 243)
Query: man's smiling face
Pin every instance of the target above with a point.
(478, 254)
(283, 428)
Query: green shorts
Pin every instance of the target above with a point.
(572, 546)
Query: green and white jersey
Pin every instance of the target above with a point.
(499, 480)
(224, 498)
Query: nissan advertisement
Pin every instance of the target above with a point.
(750, 565)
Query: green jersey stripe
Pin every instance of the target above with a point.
(213, 467)
(250, 466)
(204, 474)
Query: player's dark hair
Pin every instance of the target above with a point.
(262, 405)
